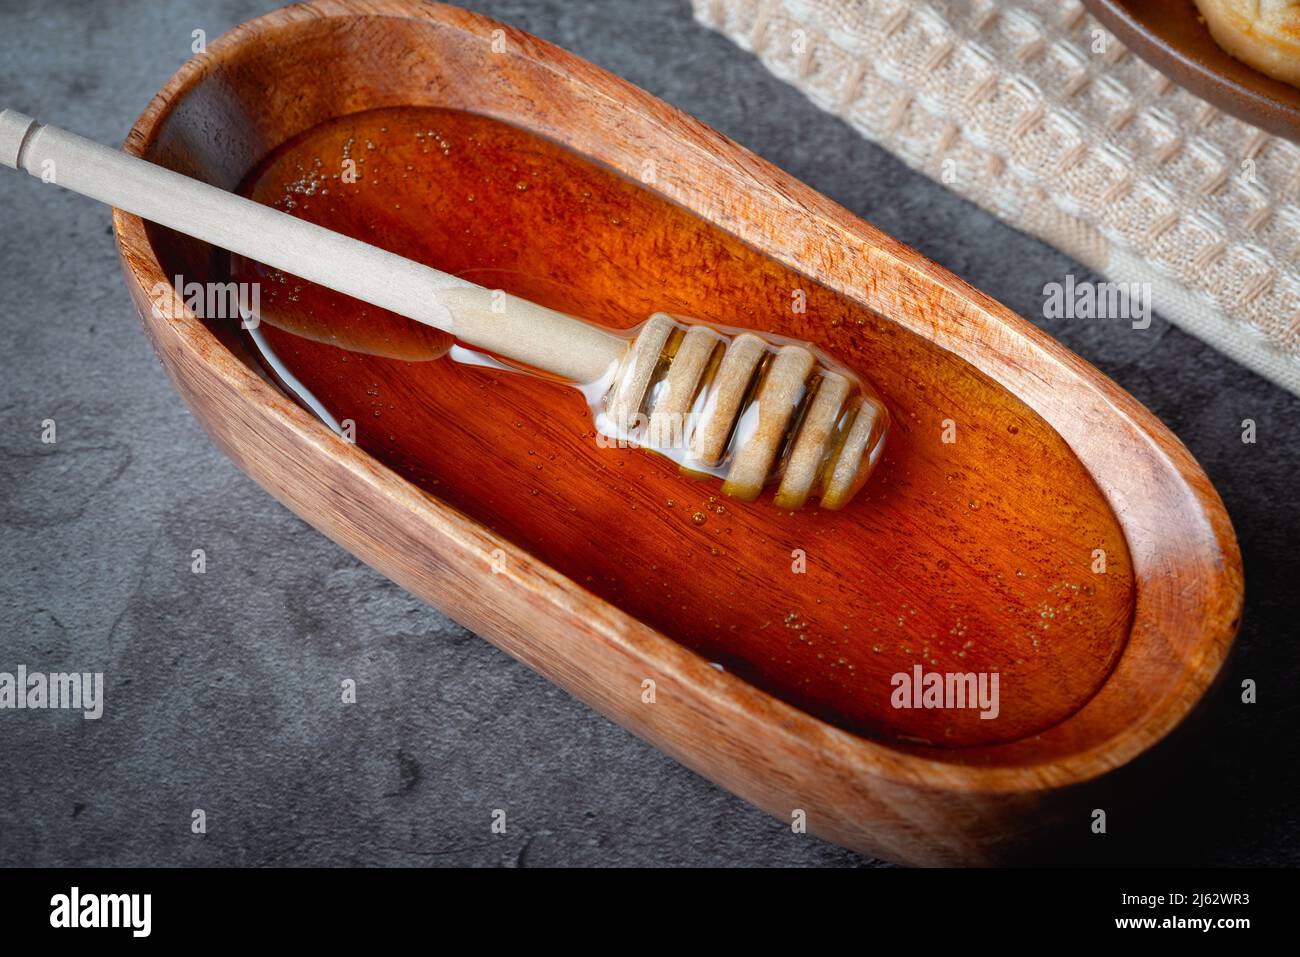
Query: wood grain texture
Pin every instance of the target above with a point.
(970, 555)
(1057, 457)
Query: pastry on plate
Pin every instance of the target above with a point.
(1262, 33)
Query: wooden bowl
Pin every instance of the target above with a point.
(1013, 464)
(1173, 38)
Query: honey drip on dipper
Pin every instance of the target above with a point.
(753, 410)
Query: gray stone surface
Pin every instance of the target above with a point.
(222, 688)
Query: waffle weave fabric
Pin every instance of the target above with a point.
(1034, 111)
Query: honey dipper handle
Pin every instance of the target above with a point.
(503, 324)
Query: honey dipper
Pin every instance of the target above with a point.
(734, 404)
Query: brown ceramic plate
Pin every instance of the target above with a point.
(1172, 36)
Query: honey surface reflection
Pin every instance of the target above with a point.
(819, 608)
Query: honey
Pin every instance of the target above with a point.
(787, 600)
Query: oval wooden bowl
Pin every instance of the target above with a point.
(1011, 463)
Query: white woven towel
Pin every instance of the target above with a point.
(1034, 111)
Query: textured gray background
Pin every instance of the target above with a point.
(223, 688)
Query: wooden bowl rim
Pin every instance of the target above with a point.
(844, 753)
